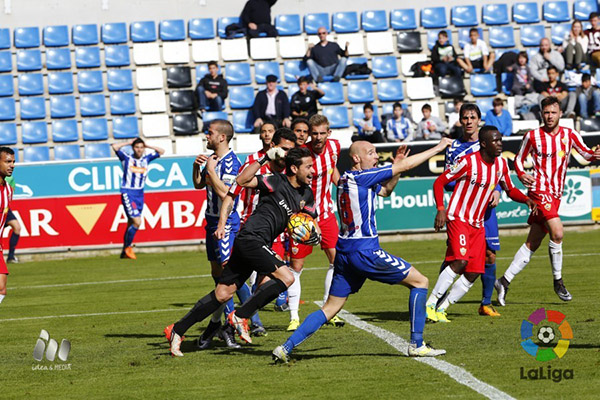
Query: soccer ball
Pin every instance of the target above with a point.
(300, 226)
(546, 334)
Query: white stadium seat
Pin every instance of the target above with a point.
(189, 146)
(149, 78)
(152, 101)
(292, 46)
(344, 136)
(527, 124)
(176, 52)
(314, 39)
(419, 88)
(245, 141)
(356, 43)
(146, 53)
(155, 125)
(408, 61)
(567, 123)
(205, 50)
(263, 48)
(380, 42)
(234, 49)
(416, 112)
(166, 144)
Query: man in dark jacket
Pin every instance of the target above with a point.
(443, 57)
(304, 101)
(271, 105)
(256, 18)
(322, 58)
(212, 91)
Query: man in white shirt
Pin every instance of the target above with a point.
(476, 54)
(271, 105)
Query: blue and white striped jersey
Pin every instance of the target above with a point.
(135, 170)
(356, 200)
(227, 169)
(455, 152)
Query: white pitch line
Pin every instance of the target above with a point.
(89, 315)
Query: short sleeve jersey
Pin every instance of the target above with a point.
(135, 170)
(227, 169)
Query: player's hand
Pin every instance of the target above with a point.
(445, 142)
(258, 123)
(495, 200)
(219, 233)
(532, 206)
(440, 220)
(402, 152)
(314, 239)
(211, 162)
(528, 181)
(597, 152)
(201, 159)
(275, 153)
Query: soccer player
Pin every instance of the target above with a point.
(280, 197)
(358, 254)
(300, 129)
(550, 147)
(7, 165)
(476, 175)
(135, 170)
(15, 226)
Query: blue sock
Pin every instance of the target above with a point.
(282, 298)
(229, 307)
(311, 324)
(129, 234)
(416, 307)
(487, 280)
(243, 294)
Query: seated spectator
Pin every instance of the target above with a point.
(369, 127)
(443, 57)
(588, 97)
(398, 128)
(256, 18)
(300, 129)
(271, 105)
(522, 78)
(304, 101)
(211, 91)
(504, 64)
(574, 46)
(456, 130)
(429, 127)
(322, 58)
(539, 63)
(593, 35)
(499, 117)
(559, 90)
(476, 54)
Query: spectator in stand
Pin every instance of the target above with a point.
(559, 90)
(456, 130)
(593, 35)
(476, 54)
(499, 117)
(398, 128)
(443, 57)
(588, 97)
(211, 91)
(574, 46)
(256, 18)
(322, 58)
(271, 105)
(369, 127)
(522, 78)
(304, 101)
(539, 63)
(430, 127)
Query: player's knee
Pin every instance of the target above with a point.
(557, 236)
(224, 293)
(3, 290)
(471, 277)
(287, 280)
(423, 282)
(16, 229)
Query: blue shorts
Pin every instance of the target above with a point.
(354, 268)
(220, 250)
(490, 223)
(133, 202)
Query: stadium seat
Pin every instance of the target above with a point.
(556, 11)
(483, 85)
(185, 124)
(590, 124)
(263, 48)
(531, 51)
(4, 38)
(97, 150)
(345, 22)
(526, 13)
(143, 31)
(463, 36)
(384, 67)
(34, 132)
(149, 78)
(114, 33)
(334, 93)
(8, 133)
(292, 46)
(125, 127)
(337, 116)
(532, 34)
(380, 43)
(58, 58)
(122, 103)
(172, 29)
(202, 70)
(507, 82)
(288, 25)
(87, 57)
(7, 85)
(85, 34)
(262, 69)
(94, 129)
(420, 88)
(408, 60)
(7, 109)
(92, 105)
(67, 152)
(212, 115)
(27, 37)
(5, 61)
(62, 107)
(205, 50)
(312, 22)
(502, 36)
(119, 79)
(201, 28)
(360, 92)
(357, 60)
(176, 52)
(390, 90)
(179, 77)
(291, 89)
(30, 84)
(241, 97)
(155, 125)
(90, 81)
(223, 22)
(65, 130)
(374, 21)
(152, 101)
(117, 56)
(56, 36)
(29, 60)
(234, 50)
(433, 17)
(356, 46)
(495, 14)
(558, 32)
(182, 100)
(409, 42)
(432, 37)
(243, 121)
(188, 146)
(36, 154)
(404, 19)
(462, 16)
(294, 69)
(146, 53)
(247, 142)
(581, 9)
(451, 87)
(33, 107)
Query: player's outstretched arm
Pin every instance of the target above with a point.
(388, 187)
(226, 208)
(418, 159)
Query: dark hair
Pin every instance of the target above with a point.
(593, 15)
(368, 106)
(497, 102)
(212, 63)
(523, 54)
(294, 157)
(469, 107)
(396, 105)
(300, 120)
(551, 67)
(284, 133)
(486, 131)
(473, 30)
(7, 150)
(442, 33)
(426, 106)
(585, 77)
(550, 100)
(136, 141)
(304, 79)
(224, 127)
(458, 100)
(273, 124)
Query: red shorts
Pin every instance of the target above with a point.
(279, 248)
(465, 242)
(329, 236)
(547, 208)
(3, 268)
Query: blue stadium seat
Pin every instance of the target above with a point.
(404, 19)
(345, 22)
(4, 38)
(90, 81)
(119, 79)
(85, 34)
(33, 108)
(433, 17)
(59, 58)
(29, 60)
(60, 82)
(374, 21)
(495, 14)
(293, 69)
(526, 13)
(201, 28)
(36, 154)
(122, 103)
(264, 68)
(558, 32)
(360, 92)
(142, 31)
(238, 74)
(87, 57)
(502, 36)
(507, 82)
(432, 37)
(288, 25)
(117, 56)
(8, 133)
(172, 29)
(223, 22)
(337, 116)
(390, 90)
(67, 152)
(483, 85)
(484, 106)
(212, 115)
(62, 107)
(91, 105)
(357, 60)
(7, 109)
(30, 84)
(291, 89)
(202, 70)
(16, 150)
(7, 86)
(313, 21)
(581, 9)
(97, 150)
(34, 132)
(27, 37)
(114, 33)
(241, 96)
(243, 121)
(532, 34)
(125, 127)
(556, 11)
(5, 61)
(358, 113)
(56, 36)
(94, 129)
(463, 36)
(464, 16)
(531, 51)
(334, 93)
(65, 130)
(384, 67)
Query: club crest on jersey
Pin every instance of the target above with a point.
(294, 250)
(564, 140)
(547, 206)
(463, 251)
(302, 204)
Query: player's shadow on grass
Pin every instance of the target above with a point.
(182, 305)
(384, 315)
(134, 335)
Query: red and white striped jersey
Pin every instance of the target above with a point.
(6, 194)
(551, 154)
(249, 196)
(324, 165)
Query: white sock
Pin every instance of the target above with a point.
(556, 256)
(518, 263)
(328, 279)
(443, 283)
(2, 296)
(459, 289)
(294, 295)
(252, 280)
(216, 317)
